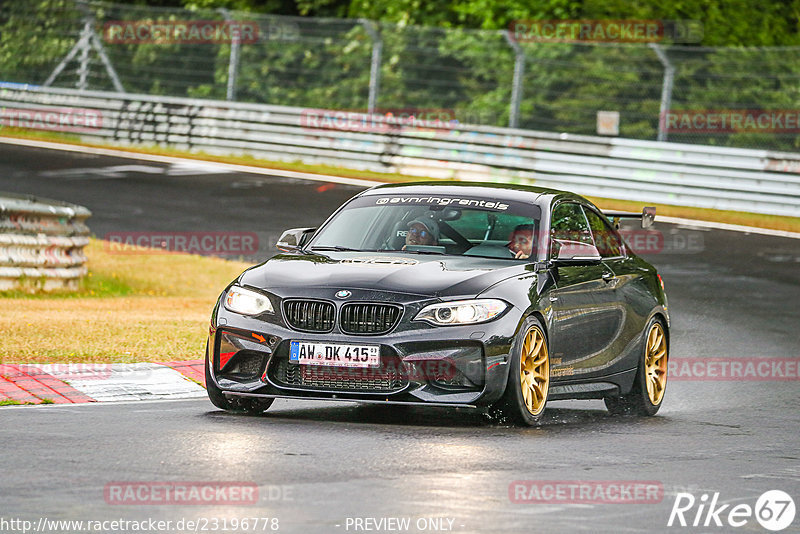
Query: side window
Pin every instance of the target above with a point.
(568, 224)
(606, 239)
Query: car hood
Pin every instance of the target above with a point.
(402, 273)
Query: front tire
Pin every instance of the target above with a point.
(650, 383)
(529, 376)
(241, 405)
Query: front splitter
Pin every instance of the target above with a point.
(357, 401)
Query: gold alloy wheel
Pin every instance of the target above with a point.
(656, 363)
(534, 371)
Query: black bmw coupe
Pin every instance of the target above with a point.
(451, 294)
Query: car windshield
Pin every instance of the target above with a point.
(447, 225)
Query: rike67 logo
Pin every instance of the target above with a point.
(774, 510)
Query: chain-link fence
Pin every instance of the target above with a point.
(472, 76)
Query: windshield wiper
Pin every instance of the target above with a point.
(434, 252)
(339, 249)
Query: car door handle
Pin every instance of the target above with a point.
(608, 276)
(553, 299)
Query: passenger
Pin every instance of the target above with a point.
(422, 231)
(520, 242)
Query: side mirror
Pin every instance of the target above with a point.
(647, 217)
(576, 253)
(294, 239)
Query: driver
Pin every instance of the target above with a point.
(520, 242)
(422, 231)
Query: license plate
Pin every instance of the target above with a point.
(334, 354)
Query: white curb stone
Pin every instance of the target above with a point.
(127, 381)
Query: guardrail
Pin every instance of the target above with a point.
(41, 243)
(757, 181)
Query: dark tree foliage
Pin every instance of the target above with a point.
(436, 55)
(726, 22)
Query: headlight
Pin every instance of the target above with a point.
(246, 302)
(462, 312)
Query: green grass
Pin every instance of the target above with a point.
(132, 308)
(12, 402)
(96, 285)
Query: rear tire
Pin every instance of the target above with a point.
(528, 377)
(650, 383)
(240, 405)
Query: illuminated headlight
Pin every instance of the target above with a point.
(246, 302)
(462, 312)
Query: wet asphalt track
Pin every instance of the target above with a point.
(318, 464)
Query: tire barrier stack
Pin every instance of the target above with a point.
(41, 243)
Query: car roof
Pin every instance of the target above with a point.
(500, 191)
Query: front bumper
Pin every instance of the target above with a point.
(419, 363)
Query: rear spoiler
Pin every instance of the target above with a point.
(648, 216)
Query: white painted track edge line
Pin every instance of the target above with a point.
(100, 403)
(726, 226)
(175, 159)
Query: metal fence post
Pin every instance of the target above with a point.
(81, 46)
(88, 39)
(375, 63)
(516, 86)
(666, 90)
(233, 58)
(83, 70)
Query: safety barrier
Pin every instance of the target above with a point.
(422, 143)
(41, 243)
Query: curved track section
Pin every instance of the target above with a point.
(329, 467)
